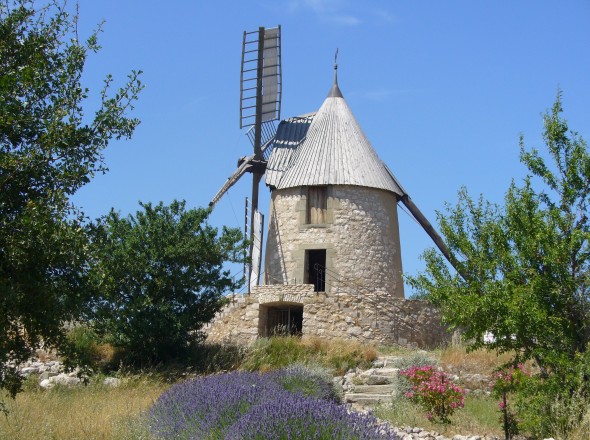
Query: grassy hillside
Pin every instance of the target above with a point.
(99, 412)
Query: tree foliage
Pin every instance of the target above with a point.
(160, 277)
(527, 263)
(49, 148)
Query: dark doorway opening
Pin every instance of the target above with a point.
(285, 321)
(316, 269)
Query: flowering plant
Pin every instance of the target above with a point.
(294, 403)
(434, 391)
(507, 381)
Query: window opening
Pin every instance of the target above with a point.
(317, 204)
(316, 269)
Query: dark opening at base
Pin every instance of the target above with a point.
(285, 320)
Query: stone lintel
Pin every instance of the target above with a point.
(284, 293)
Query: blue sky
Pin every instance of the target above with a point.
(442, 89)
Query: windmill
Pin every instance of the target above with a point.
(260, 101)
(260, 108)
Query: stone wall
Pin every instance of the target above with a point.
(361, 238)
(370, 317)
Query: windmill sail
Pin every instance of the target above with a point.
(260, 79)
(260, 107)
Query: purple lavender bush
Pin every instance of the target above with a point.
(206, 407)
(292, 403)
(306, 380)
(292, 416)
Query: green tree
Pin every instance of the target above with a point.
(160, 278)
(49, 148)
(527, 263)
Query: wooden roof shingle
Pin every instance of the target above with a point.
(328, 148)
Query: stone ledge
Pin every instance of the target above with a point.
(292, 293)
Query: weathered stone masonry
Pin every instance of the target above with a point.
(361, 238)
(409, 323)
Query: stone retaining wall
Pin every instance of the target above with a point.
(371, 317)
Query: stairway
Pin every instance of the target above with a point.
(373, 386)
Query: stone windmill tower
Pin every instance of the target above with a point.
(333, 264)
(333, 215)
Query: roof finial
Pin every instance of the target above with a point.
(336, 67)
(335, 91)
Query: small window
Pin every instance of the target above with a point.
(315, 273)
(317, 205)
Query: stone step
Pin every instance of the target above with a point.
(374, 389)
(380, 372)
(385, 361)
(378, 380)
(367, 399)
(387, 371)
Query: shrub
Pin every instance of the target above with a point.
(296, 417)
(506, 382)
(555, 406)
(308, 381)
(294, 403)
(416, 359)
(206, 407)
(435, 392)
(85, 348)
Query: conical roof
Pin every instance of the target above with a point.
(335, 151)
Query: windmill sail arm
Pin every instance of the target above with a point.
(232, 179)
(436, 238)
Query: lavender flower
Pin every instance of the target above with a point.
(290, 416)
(309, 381)
(293, 403)
(205, 407)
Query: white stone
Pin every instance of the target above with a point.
(111, 382)
(46, 384)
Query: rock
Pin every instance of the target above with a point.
(355, 331)
(27, 371)
(111, 382)
(378, 380)
(46, 375)
(61, 379)
(65, 379)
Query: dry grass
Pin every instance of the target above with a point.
(456, 358)
(92, 412)
(337, 348)
(582, 432)
(337, 355)
(480, 416)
